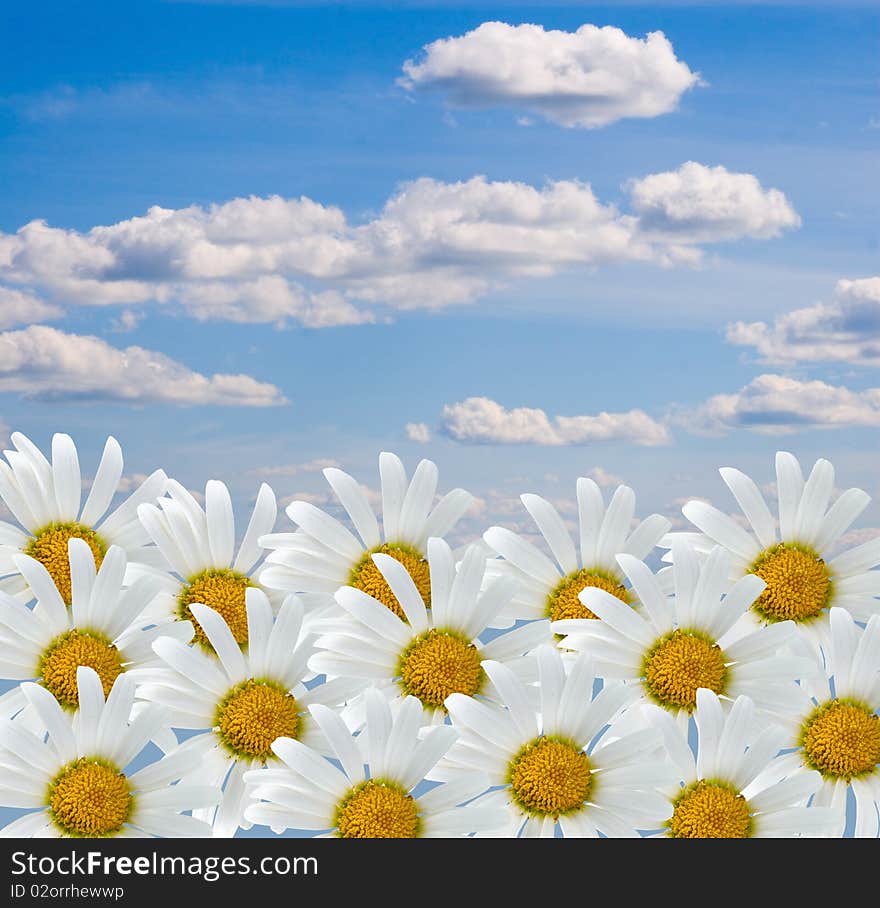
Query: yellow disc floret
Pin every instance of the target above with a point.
(367, 577)
(65, 654)
(842, 740)
(563, 602)
(377, 810)
(90, 799)
(49, 547)
(710, 810)
(252, 715)
(222, 590)
(549, 777)
(678, 665)
(798, 583)
(437, 664)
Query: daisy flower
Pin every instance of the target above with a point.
(803, 579)
(240, 701)
(199, 544)
(670, 647)
(323, 555)
(45, 498)
(308, 792)
(427, 655)
(549, 589)
(566, 765)
(76, 782)
(722, 794)
(104, 629)
(836, 729)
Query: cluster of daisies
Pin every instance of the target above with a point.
(363, 679)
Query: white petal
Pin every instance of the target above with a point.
(105, 483)
(553, 530)
(218, 632)
(789, 487)
(753, 505)
(221, 523)
(66, 476)
(722, 529)
(353, 499)
(392, 477)
(418, 500)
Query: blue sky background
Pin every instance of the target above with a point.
(107, 109)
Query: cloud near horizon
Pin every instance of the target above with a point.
(44, 363)
(779, 405)
(480, 420)
(588, 78)
(434, 244)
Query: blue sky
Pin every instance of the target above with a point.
(107, 109)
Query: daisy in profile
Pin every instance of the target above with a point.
(77, 784)
(670, 648)
(240, 701)
(104, 628)
(376, 801)
(549, 588)
(46, 499)
(323, 555)
(835, 732)
(803, 578)
(565, 765)
(199, 544)
(426, 655)
(724, 792)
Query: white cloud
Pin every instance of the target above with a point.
(127, 321)
(603, 478)
(845, 330)
(777, 405)
(589, 78)
(434, 244)
(43, 362)
(701, 204)
(18, 307)
(296, 469)
(479, 420)
(418, 432)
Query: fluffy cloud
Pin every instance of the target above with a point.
(845, 330)
(418, 432)
(702, 204)
(296, 469)
(18, 307)
(777, 405)
(587, 78)
(479, 420)
(43, 362)
(434, 244)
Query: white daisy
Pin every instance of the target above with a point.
(240, 701)
(310, 793)
(45, 499)
(550, 589)
(76, 784)
(670, 647)
(836, 729)
(323, 555)
(104, 628)
(722, 793)
(199, 544)
(803, 578)
(429, 654)
(565, 764)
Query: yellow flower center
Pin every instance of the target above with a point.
(222, 590)
(842, 740)
(563, 602)
(89, 799)
(49, 547)
(678, 665)
(65, 654)
(377, 810)
(798, 584)
(708, 810)
(367, 577)
(438, 664)
(253, 714)
(550, 777)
